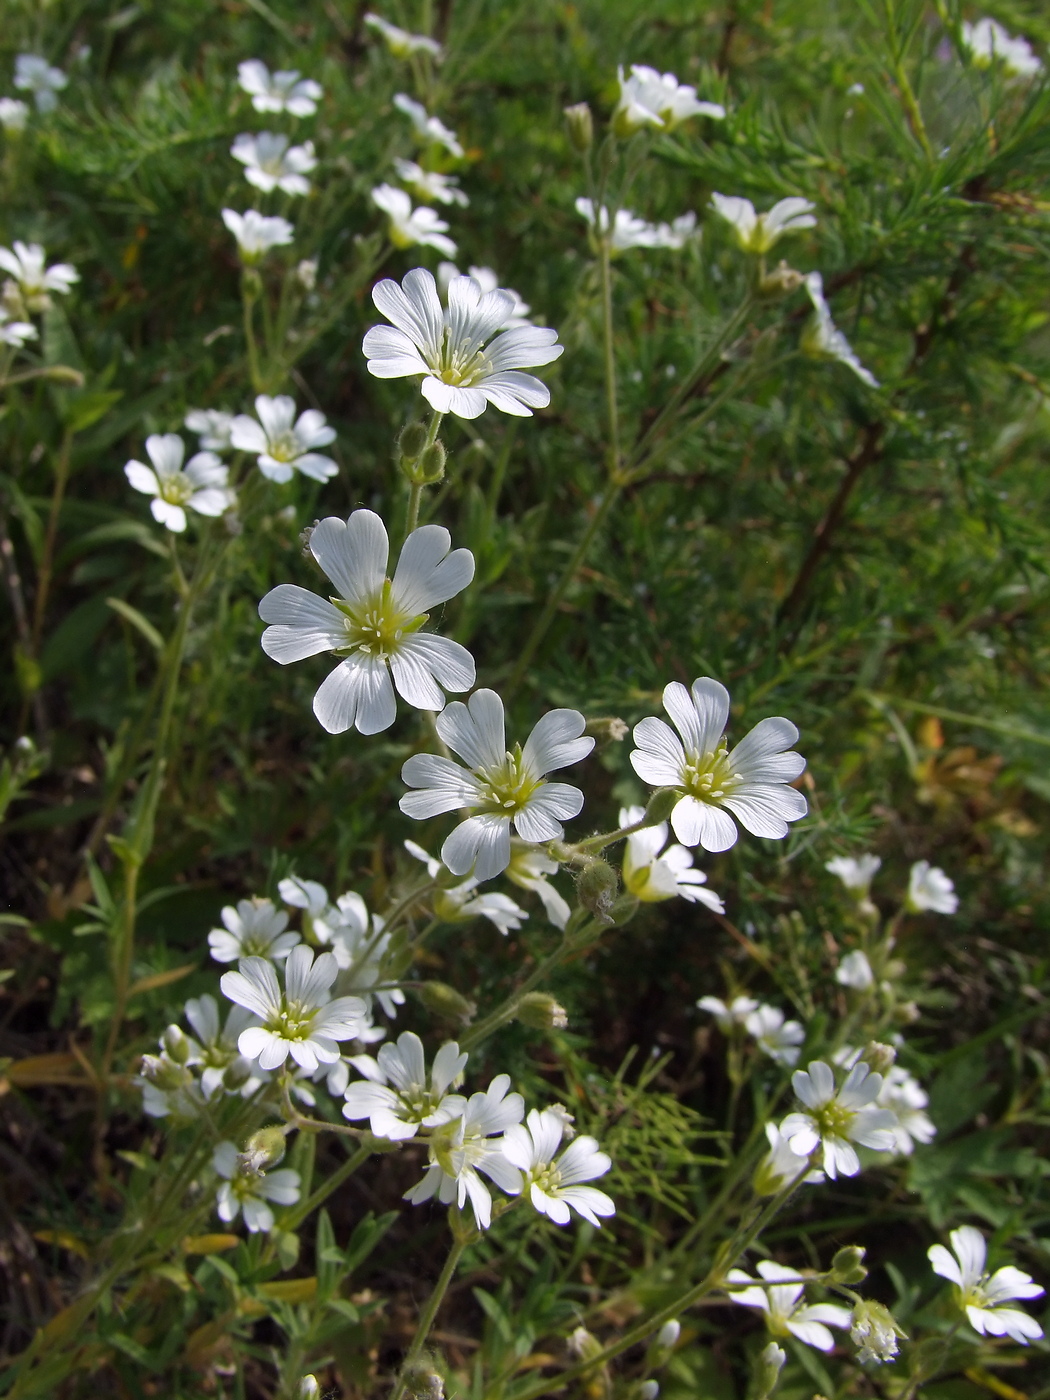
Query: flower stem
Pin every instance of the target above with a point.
(415, 494)
(609, 838)
(460, 1241)
(341, 1174)
(248, 297)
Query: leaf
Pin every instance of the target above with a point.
(64, 1240)
(140, 623)
(160, 979)
(74, 637)
(292, 1290)
(37, 1070)
(88, 406)
(209, 1244)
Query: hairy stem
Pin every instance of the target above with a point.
(429, 1313)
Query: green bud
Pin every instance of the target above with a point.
(264, 1149)
(580, 124)
(848, 1265)
(880, 1057)
(661, 804)
(176, 1044)
(445, 1001)
(770, 1363)
(622, 910)
(596, 886)
(584, 1344)
(423, 1382)
(541, 1012)
(431, 466)
(412, 441)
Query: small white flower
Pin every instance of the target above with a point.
(282, 447)
(410, 226)
(397, 1095)
(751, 781)
(838, 1118)
(930, 889)
(983, 1297)
(250, 1190)
(34, 74)
(988, 41)
(652, 873)
(447, 345)
(255, 929)
(777, 1038)
(13, 115)
(400, 42)
(360, 947)
(554, 1185)
(302, 1020)
(464, 1147)
(503, 788)
(428, 128)
(257, 233)
(215, 1049)
(757, 233)
(306, 273)
(651, 98)
(304, 894)
(856, 873)
(529, 868)
(488, 281)
(781, 1167)
(283, 91)
(458, 904)
(25, 263)
(200, 485)
(907, 1100)
(14, 334)
(874, 1332)
(271, 164)
(822, 339)
(785, 1307)
(629, 231)
(732, 1017)
(855, 971)
(375, 623)
(430, 185)
(212, 427)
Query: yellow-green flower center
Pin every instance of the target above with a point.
(175, 489)
(547, 1177)
(285, 447)
(460, 366)
(708, 776)
(293, 1022)
(506, 786)
(378, 625)
(833, 1119)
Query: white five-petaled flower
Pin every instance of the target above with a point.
(447, 345)
(757, 233)
(255, 929)
(283, 91)
(467, 1145)
(837, 1118)
(458, 904)
(409, 226)
(427, 128)
(905, 1097)
(271, 164)
(13, 115)
(651, 98)
(750, 781)
(781, 1166)
(503, 788)
(200, 485)
(26, 264)
(775, 1037)
(729, 1017)
(629, 231)
(983, 1297)
(529, 868)
(212, 427)
(554, 1185)
(215, 1048)
(359, 945)
(375, 623)
(284, 443)
(785, 1307)
(301, 1020)
(257, 233)
(855, 872)
(988, 41)
(245, 1188)
(822, 339)
(430, 185)
(488, 281)
(14, 334)
(653, 873)
(929, 889)
(34, 74)
(397, 1096)
(855, 971)
(400, 42)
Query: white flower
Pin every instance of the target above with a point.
(757, 233)
(15, 333)
(301, 1021)
(488, 281)
(529, 868)
(651, 98)
(255, 929)
(457, 904)
(930, 889)
(397, 1096)
(430, 184)
(730, 1017)
(503, 788)
(462, 1148)
(360, 946)
(652, 873)
(212, 427)
(629, 231)
(400, 42)
(249, 1190)
(34, 74)
(410, 226)
(374, 623)
(838, 1118)
(785, 1307)
(982, 1297)
(905, 1097)
(874, 1332)
(554, 1186)
(822, 339)
(855, 971)
(283, 91)
(427, 128)
(856, 873)
(25, 263)
(463, 375)
(304, 894)
(987, 41)
(282, 447)
(781, 1167)
(270, 164)
(751, 780)
(215, 1049)
(13, 114)
(200, 485)
(257, 233)
(777, 1038)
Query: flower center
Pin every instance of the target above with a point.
(175, 489)
(460, 364)
(708, 776)
(834, 1119)
(293, 1022)
(377, 626)
(547, 1177)
(285, 447)
(506, 786)
(418, 1102)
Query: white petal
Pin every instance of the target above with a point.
(443, 785)
(304, 624)
(424, 576)
(142, 478)
(392, 354)
(701, 823)
(765, 809)
(354, 554)
(760, 756)
(475, 730)
(659, 758)
(480, 844)
(700, 717)
(547, 808)
(358, 692)
(555, 742)
(451, 664)
(452, 398)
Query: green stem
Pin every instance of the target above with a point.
(341, 1174)
(429, 1313)
(609, 354)
(609, 838)
(248, 301)
(415, 494)
(503, 1013)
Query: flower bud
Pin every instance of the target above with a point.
(668, 1334)
(661, 804)
(780, 282)
(584, 1344)
(423, 1382)
(580, 124)
(412, 441)
(848, 1266)
(177, 1045)
(596, 886)
(874, 1332)
(622, 910)
(445, 1001)
(541, 1012)
(879, 1056)
(165, 1073)
(649, 1390)
(430, 468)
(237, 1073)
(264, 1149)
(770, 1363)
(309, 1389)
(607, 729)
